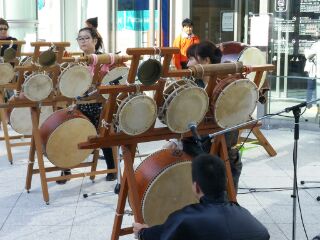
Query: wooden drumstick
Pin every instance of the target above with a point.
(109, 58)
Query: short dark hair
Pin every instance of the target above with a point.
(210, 173)
(192, 50)
(187, 22)
(4, 22)
(206, 49)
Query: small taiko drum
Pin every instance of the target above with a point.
(234, 100)
(117, 75)
(240, 52)
(20, 118)
(74, 80)
(61, 133)
(6, 73)
(164, 179)
(185, 103)
(37, 86)
(136, 113)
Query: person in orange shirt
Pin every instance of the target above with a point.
(183, 42)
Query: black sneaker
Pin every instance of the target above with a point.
(64, 173)
(111, 177)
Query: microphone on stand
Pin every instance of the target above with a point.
(193, 128)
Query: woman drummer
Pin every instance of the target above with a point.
(89, 41)
(204, 53)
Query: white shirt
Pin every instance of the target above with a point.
(313, 60)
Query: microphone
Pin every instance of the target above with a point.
(116, 81)
(193, 128)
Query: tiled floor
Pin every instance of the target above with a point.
(70, 216)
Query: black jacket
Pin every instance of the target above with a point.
(211, 219)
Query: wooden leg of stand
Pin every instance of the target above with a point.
(128, 186)
(6, 133)
(38, 145)
(123, 194)
(30, 165)
(219, 147)
(94, 163)
(264, 142)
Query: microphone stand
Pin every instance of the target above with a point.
(296, 110)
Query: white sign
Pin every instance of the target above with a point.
(227, 21)
(257, 36)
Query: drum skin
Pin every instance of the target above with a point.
(20, 118)
(249, 56)
(6, 73)
(61, 133)
(164, 184)
(233, 101)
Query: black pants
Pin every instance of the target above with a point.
(193, 149)
(92, 111)
(184, 65)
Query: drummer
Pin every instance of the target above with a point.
(4, 35)
(213, 217)
(89, 43)
(206, 52)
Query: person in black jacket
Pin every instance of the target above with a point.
(213, 218)
(4, 29)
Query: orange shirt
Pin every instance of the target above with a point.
(183, 43)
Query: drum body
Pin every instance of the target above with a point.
(6, 73)
(61, 133)
(74, 80)
(234, 100)
(185, 103)
(240, 52)
(164, 184)
(20, 118)
(37, 86)
(136, 114)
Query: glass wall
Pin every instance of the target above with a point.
(294, 27)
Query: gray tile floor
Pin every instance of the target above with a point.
(70, 216)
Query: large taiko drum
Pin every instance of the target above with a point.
(74, 80)
(61, 133)
(185, 103)
(240, 52)
(136, 113)
(6, 73)
(20, 117)
(164, 184)
(234, 99)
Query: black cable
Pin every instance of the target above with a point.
(270, 189)
(301, 217)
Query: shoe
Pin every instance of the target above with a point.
(64, 173)
(111, 177)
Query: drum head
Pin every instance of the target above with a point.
(9, 54)
(189, 106)
(21, 122)
(75, 81)
(37, 87)
(236, 103)
(66, 137)
(114, 77)
(137, 115)
(253, 56)
(171, 190)
(6, 73)
(149, 72)
(47, 58)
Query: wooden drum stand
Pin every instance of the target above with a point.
(128, 143)
(53, 100)
(10, 86)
